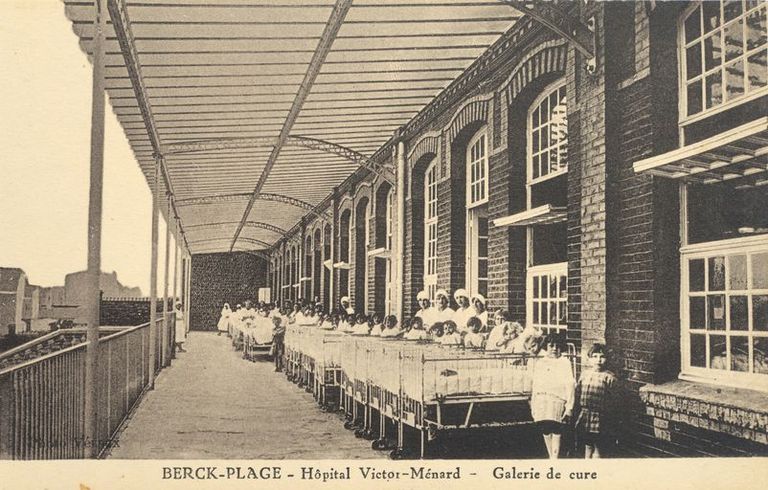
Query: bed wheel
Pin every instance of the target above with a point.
(379, 444)
(359, 433)
(368, 435)
(349, 425)
(397, 454)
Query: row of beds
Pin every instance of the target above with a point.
(391, 389)
(252, 336)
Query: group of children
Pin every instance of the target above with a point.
(558, 401)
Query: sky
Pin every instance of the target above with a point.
(45, 114)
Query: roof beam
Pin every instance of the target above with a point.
(330, 32)
(262, 196)
(122, 27)
(563, 22)
(225, 239)
(250, 224)
(291, 141)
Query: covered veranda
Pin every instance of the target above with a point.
(244, 116)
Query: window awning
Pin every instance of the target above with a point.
(382, 252)
(542, 215)
(740, 152)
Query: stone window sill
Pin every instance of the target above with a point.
(737, 411)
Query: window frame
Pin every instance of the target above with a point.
(558, 269)
(482, 181)
(529, 129)
(430, 224)
(735, 246)
(390, 225)
(682, 51)
(476, 210)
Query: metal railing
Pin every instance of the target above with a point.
(42, 401)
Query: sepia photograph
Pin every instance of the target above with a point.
(400, 237)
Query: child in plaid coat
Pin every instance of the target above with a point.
(596, 409)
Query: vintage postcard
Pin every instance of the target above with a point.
(383, 244)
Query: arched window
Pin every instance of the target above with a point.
(546, 191)
(382, 250)
(477, 213)
(362, 240)
(430, 229)
(306, 266)
(328, 262)
(295, 276)
(285, 281)
(317, 265)
(345, 231)
(388, 282)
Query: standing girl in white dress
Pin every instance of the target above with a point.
(553, 393)
(223, 325)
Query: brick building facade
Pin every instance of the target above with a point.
(599, 226)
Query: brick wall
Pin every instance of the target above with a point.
(586, 95)
(219, 278)
(622, 228)
(128, 311)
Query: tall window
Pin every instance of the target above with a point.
(327, 271)
(725, 310)
(430, 229)
(547, 157)
(477, 214)
(548, 137)
(723, 55)
(388, 284)
(345, 232)
(724, 283)
(296, 272)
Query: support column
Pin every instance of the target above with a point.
(187, 303)
(400, 242)
(332, 275)
(166, 324)
(94, 235)
(176, 261)
(176, 280)
(153, 276)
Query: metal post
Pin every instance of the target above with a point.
(94, 234)
(187, 303)
(166, 323)
(400, 268)
(153, 276)
(172, 331)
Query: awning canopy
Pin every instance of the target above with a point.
(739, 153)
(260, 108)
(541, 215)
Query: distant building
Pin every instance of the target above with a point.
(75, 289)
(33, 308)
(13, 285)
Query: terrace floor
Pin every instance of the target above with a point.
(212, 404)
